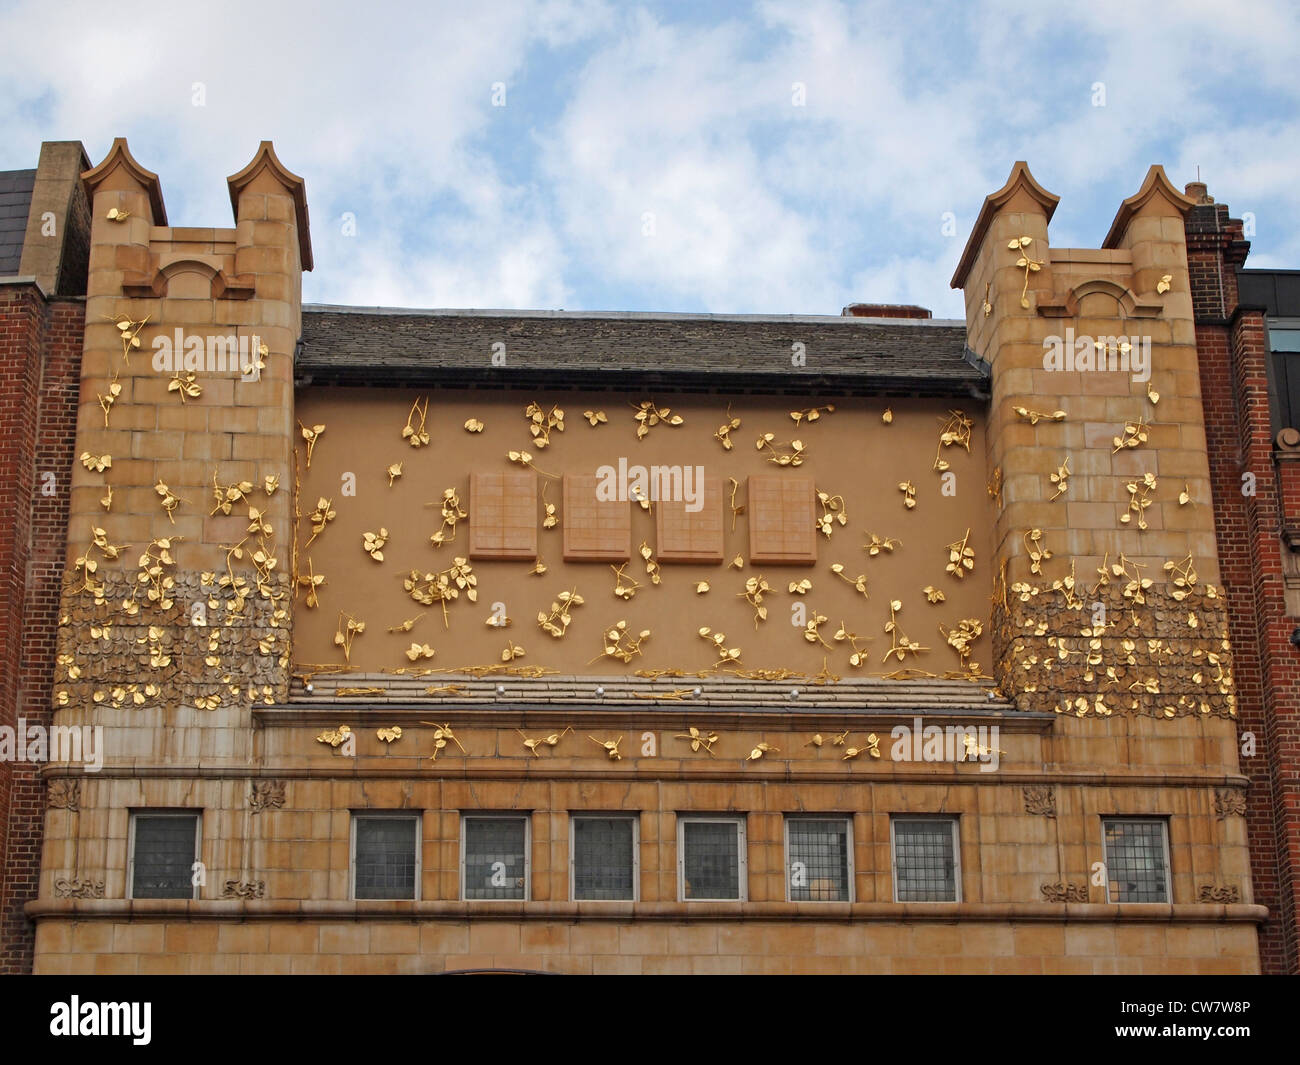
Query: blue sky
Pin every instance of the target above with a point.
(655, 156)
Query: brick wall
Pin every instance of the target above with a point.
(1232, 351)
(40, 356)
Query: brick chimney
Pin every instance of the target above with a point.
(885, 310)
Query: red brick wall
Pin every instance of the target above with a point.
(40, 360)
(1232, 353)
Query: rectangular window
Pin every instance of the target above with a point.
(385, 849)
(926, 862)
(604, 857)
(494, 857)
(1137, 859)
(164, 848)
(819, 859)
(711, 858)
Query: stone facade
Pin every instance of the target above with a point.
(227, 693)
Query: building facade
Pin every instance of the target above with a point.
(405, 641)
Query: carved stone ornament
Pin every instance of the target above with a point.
(1211, 893)
(65, 794)
(244, 889)
(1229, 801)
(76, 888)
(1059, 892)
(266, 795)
(1040, 800)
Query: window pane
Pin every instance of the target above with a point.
(1135, 861)
(494, 858)
(819, 861)
(385, 858)
(924, 862)
(712, 860)
(602, 858)
(1282, 338)
(164, 857)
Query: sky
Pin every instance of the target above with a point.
(767, 158)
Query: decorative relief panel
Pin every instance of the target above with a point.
(782, 520)
(684, 535)
(503, 515)
(594, 531)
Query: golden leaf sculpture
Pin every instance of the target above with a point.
(699, 740)
(416, 432)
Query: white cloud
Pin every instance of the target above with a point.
(615, 112)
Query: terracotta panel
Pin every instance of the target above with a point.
(594, 531)
(683, 535)
(782, 520)
(503, 515)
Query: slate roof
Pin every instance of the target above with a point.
(15, 199)
(684, 352)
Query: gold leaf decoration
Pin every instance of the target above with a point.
(1139, 493)
(888, 416)
(128, 331)
(595, 417)
(335, 736)
(443, 586)
(621, 643)
(511, 651)
(1061, 478)
(558, 620)
(415, 433)
(349, 628)
(312, 581)
(791, 454)
(909, 493)
(954, 432)
(1033, 417)
(311, 435)
(1163, 285)
(442, 735)
(96, 463)
(373, 544)
(833, 513)
(1135, 435)
(858, 657)
(319, 518)
(106, 401)
(759, 750)
(116, 215)
(755, 589)
(418, 651)
(394, 471)
(876, 545)
(389, 735)
(699, 739)
(726, 655)
(649, 414)
(651, 566)
(625, 586)
(933, 594)
(901, 646)
(610, 746)
(811, 414)
(859, 582)
(961, 557)
(452, 513)
(541, 422)
(473, 425)
(1031, 266)
(723, 432)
